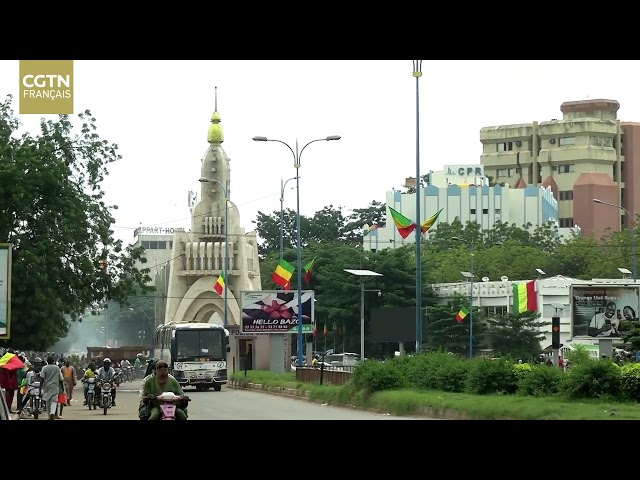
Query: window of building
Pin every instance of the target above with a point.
(622, 145)
(473, 212)
(485, 211)
(566, 223)
(615, 172)
(566, 168)
(505, 146)
(145, 245)
(170, 244)
(565, 195)
(504, 172)
(601, 141)
(497, 210)
(567, 141)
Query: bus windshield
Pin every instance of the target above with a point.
(202, 345)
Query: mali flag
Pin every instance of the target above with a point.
(220, 284)
(428, 223)
(307, 270)
(462, 314)
(282, 275)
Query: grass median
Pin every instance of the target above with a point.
(478, 407)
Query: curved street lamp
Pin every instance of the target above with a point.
(296, 163)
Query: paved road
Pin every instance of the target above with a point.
(228, 404)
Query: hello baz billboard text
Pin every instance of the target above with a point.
(46, 87)
(276, 311)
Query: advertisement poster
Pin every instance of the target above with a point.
(276, 311)
(5, 290)
(603, 311)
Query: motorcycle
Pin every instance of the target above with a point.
(106, 397)
(36, 405)
(91, 393)
(168, 402)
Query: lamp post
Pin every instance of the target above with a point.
(362, 274)
(469, 275)
(296, 163)
(417, 73)
(633, 236)
(282, 187)
(226, 245)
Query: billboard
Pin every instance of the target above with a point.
(394, 325)
(603, 311)
(276, 311)
(5, 291)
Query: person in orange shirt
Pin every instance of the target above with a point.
(69, 374)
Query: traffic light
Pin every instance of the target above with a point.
(555, 332)
(103, 264)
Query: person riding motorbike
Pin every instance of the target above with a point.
(90, 372)
(106, 373)
(159, 383)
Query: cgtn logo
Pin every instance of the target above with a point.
(46, 86)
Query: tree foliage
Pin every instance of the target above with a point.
(52, 211)
(510, 250)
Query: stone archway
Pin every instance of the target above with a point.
(200, 302)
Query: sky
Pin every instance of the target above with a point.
(158, 112)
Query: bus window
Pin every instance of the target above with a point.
(194, 344)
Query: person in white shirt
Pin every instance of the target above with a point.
(604, 324)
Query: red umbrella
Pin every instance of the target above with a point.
(10, 361)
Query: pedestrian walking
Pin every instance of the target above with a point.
(51, 379)
(69, 374)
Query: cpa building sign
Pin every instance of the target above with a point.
(154, 231)
(464, 171)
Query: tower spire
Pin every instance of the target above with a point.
(215, 134)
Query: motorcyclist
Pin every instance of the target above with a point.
(159, 383)
(33, 376)
(90, 372)
(106, 373)
(137, 364)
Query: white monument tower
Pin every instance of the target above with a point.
(198, 256)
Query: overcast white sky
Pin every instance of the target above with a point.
(158, 112)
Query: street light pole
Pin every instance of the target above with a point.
(226, 245)
(470, 276)
(417, 73)
(282, 187)
(633, 235)
(296, 163)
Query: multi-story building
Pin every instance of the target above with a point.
(587, 154)
(158, 244)
(466, 202)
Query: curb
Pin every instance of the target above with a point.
(447, 414)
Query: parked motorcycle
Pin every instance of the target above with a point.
(168, 402)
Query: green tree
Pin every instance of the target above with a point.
(517, 335)
(444, 332)
(53, 212)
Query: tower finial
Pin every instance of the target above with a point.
(215, 106)
(215, 134)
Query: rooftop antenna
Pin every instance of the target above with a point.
(215, 106)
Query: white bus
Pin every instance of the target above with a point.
(196, 353)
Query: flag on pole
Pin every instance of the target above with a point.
(368, 229)
(315, 330)
(428, 223)
(283, 273)
(462, 314)
(307, 270)
(525, 297)
(326, 330)
(220, 284)
(403, 224)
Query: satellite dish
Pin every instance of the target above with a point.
(504, 278)
(485, 279)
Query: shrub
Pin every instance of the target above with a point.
(374, 376)
(630, 381)
(436, 371)
(491, 376)
(593, 379)
(521, 369)
(540, 381)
